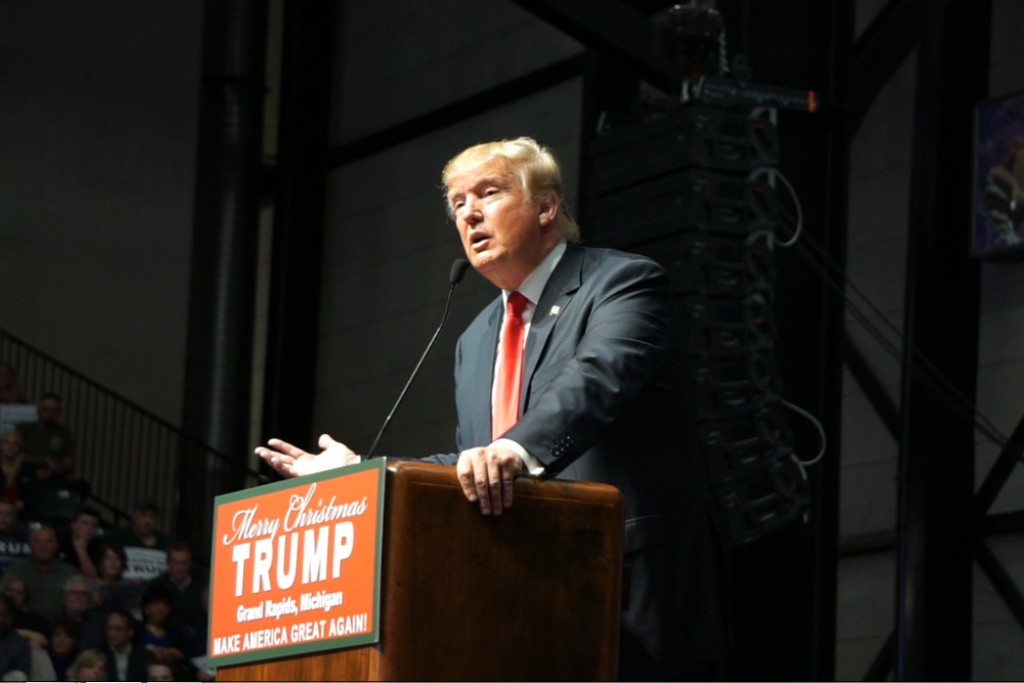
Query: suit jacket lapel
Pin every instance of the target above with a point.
(558, 291)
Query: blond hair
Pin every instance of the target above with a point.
(525, 158)
(85, 659)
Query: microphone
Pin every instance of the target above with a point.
(458, 271)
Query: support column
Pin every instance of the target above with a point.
(220, 326)
(303, 140)
(935, 569)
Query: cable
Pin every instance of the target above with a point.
(933, 375)
(925, 369)
(821, 434)
(770, 235)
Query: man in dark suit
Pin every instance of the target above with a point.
(126, 659)
(601, 397)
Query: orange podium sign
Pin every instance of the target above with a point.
(296, 566)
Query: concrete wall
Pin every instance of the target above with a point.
(97, 154)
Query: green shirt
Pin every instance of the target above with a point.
(45, 588)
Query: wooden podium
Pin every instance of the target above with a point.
(531, 594)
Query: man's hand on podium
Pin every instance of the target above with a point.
(292, 461)
(486, 475)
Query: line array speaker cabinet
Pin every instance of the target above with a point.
(681, 188)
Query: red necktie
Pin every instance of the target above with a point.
(510, 367)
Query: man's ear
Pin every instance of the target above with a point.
(547, 210)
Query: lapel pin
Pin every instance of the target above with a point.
(554, 310)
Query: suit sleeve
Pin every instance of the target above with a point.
(611, 345)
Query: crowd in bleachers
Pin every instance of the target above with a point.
(80, 598)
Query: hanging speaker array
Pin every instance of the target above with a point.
(685, 186)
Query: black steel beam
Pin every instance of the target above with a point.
(1001, 580)
(882, 48)
(871, 386)
(875, 542)
(882, 665)
(1002, 523)
(614, 28)
(427, 123)
(936, 450)
(303, 135)
(1008, 460)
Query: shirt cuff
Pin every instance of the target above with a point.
(533, 465)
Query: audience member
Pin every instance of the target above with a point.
(81, 609)
(78, 597)
(44, 575)
(13, 541)
(32, 627)
(80, 541)
(144, 543)
(42, 667)
(17, 474)
(65, 644)
(9, 391)
(158, 671)
(160, 636)
(49, 442)
(111, 588)
(89, 665)
(144, 531)
(125, 660)
(187, 591)
(14, 649)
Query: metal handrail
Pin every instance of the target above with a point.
(123, 452)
